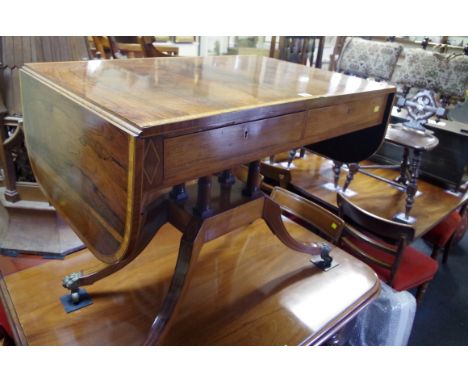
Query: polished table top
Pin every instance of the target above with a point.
(247, 289)
(310, 174)
(152, 93)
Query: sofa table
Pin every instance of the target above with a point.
(107, 139)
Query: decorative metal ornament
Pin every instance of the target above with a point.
(420, 108)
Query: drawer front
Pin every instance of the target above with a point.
(331, 121)
(193, 155)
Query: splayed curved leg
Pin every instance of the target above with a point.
(272, 216)
(190, 246)
(155, 218)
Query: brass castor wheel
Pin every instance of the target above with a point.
(75, 296)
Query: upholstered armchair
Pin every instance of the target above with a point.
(369, 59)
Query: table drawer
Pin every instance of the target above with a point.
(193, 155)
(199, 154)
(331, 121)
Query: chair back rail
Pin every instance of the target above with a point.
(387, 229)
(368, 229)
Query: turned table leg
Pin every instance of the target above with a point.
(226, 179)
(336, 172)
(412, 187)
(178, 192)
(252, 187)
(403, 178)
(353, 169)
(203, 209)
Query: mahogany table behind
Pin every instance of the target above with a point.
(248, 289)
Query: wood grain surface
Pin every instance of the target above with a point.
(81, 163)
(247, 289)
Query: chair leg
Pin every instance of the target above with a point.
(435, 251)
(421, 291)
(446, 249)
(5, 339)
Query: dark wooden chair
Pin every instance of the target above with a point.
(100, 47)
(305, 50)
(275, 175)
(384, 246)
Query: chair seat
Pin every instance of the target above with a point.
(415, 268)
(442, 232)
(411, 138)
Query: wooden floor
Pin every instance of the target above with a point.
(248, 289)
(311, 173)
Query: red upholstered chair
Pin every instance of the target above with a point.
(384, 245)
(447, 232)
(5, 330)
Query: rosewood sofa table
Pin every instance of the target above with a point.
(106, 140)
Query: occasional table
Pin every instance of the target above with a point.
(308, 175)
(413, 144)
(107, 139)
